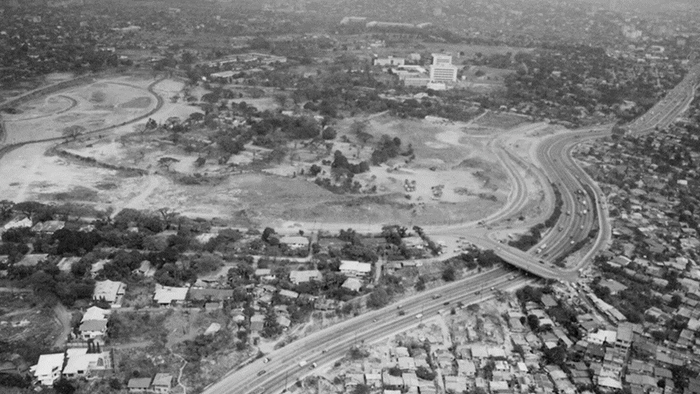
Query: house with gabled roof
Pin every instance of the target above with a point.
(109, 291)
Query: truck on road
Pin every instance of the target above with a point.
(302, 363)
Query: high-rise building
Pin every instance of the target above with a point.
(442, 69)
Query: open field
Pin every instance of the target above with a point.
(22, 321)
(98, 105)
(455, 173)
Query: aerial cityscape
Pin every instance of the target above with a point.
(350, 196)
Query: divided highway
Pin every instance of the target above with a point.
(331, 344)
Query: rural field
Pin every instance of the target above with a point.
(453, 175)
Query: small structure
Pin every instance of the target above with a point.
(66, 263)
(49, 226)
(352, 284)
(297, 277)
(92, 329)
(289, 294)
(200, 296)
(166, 295)
(109, 291)
(139, 385)
(95, 313)
(162, 383)
(355, 268)
(32, 260)
(257, 322)
(295, 242)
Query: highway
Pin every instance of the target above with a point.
(333, 343)
(670, 107)
(582, 199)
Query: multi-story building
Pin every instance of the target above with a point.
(442, 69)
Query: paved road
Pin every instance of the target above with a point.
(582, 198)
(333, 343)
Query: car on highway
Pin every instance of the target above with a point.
(436, 296)
(446, 303)
(418, 316)
(401, 313)
(261, 373)
(266, 360)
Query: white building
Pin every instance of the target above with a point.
(446, 73)
(82, 364)
(297, 277)
(389, 61)
(295, 242)
(48, 368)
(355, 268)
(92, 329)
(95, 313)
(166, 295)
(442, 69)
(109, 291)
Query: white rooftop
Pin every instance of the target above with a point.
(356, 266)
(95, 313)
(108, 290)
(166, 294)
(48, 363)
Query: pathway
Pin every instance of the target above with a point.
(64, 318)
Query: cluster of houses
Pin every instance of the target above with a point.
(161, 383)
(81, 362)
(654, 244)
(606, 356)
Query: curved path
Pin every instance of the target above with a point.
(4, 149)
(73, 104)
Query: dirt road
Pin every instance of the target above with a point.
(64, 318)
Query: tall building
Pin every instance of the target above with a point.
(442, 69)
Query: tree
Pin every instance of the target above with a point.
(424, 373)
(395, 371)
(73, 132)
(6, 209)
(534, 322)
(328, 133)
(168, 216)
(449, 274)
(271, 328)
(378, 298)
(63, 387)
(267, 233)
(28, 208)
(361, 389)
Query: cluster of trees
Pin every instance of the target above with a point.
(303, 127)
(456, 110)
(562, 81)
(342, 165)
(388, 148)
(476, 258)
(202, 346)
